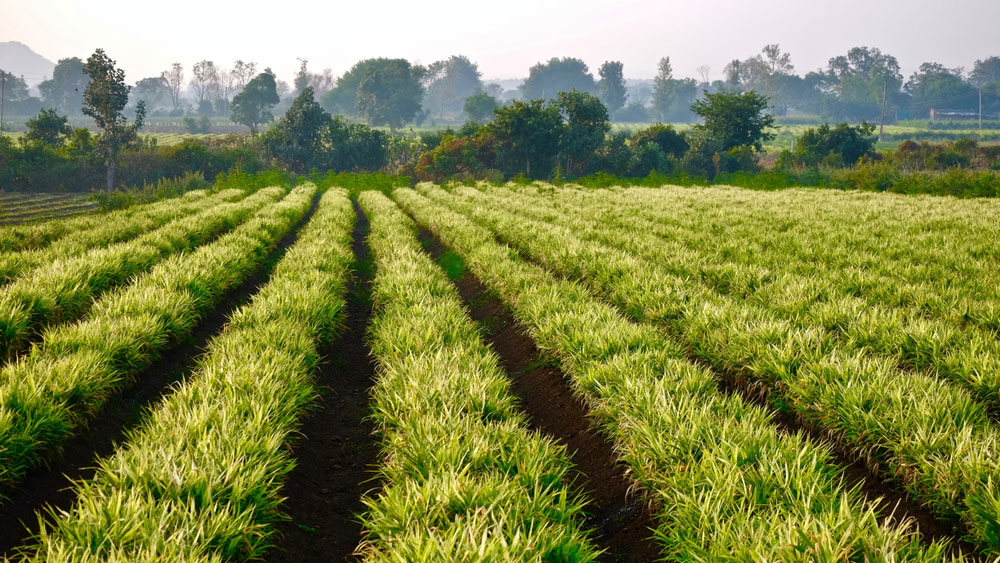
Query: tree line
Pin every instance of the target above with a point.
(393, 92)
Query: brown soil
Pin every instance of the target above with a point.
(618, 517)
(337, 450)
(50, 488)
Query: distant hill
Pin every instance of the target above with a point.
(19, 60)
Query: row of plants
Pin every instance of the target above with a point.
(33, 237)
(678, 242)
(927, 434)
(66, 288)
(464, 478)
(49, 394)
(724, 482)
(115, 228)
(200, 478)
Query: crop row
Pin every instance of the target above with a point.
(46, 396)
(904, 335)
(927, 433)
(64, 289)
(114, 229)
(935, 257)
(464, 478)
(199, 478)
(17, 238)
(726, 484)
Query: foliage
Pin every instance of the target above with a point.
(64, 91)
(586, 126)
(48, 128)
(525, 137)
(390, 94)
(252, 106)
(451, 83)
(104, 99)
(479, 107)
(839, 146)
(546, 80)
(611, 87)
(734, 120)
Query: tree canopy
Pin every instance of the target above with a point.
(546, 80)
(252, 106)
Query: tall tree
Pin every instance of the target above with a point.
(546, 80)
(242, 74)
(857, 81)
(525, 137)
(985, 71)
(672, 97)
(104, 99)
(734, 120)
(64, 91)
(450, 83)
(586, 126)
(205, 81)
(174, 78)
(297, 138)
(663, 88)
(391, 95)
(252, 106)
(151, 90)
(934, 86)
(479, 107)
(611, 87)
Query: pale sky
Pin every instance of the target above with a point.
(505, 37)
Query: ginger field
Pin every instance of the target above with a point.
(504, 373)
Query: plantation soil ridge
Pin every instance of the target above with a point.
(49, 488)
(619, 518)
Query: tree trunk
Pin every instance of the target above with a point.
(111, 174)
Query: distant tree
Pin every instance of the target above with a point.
(546, 80)
(174, 79)
(48, 128)
(15, 88)
(451, 82)
(205, 81)
(734, 120)
(301, 81)
(494, 90)
(320, 83)
(479, 107)
(611, 87)
(586, 126)
(842, 144)
(672, 97)
(64, 91)
(296, 139)
(252, 106)
(104, 99)
(857, 80)
(525, 137)
(704, 71)
(242, 73)
(391, 95)
(343, 98)
(354, 147)
(151, 90)
(934, 86)
(985, 71)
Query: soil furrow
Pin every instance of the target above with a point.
(336, 452)
(619, 518)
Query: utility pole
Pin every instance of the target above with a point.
(3, 79)
(881, 121)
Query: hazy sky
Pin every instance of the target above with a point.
(505, 37)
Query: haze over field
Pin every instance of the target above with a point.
(504, 39)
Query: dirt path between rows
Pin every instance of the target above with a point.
(336, 453)
(619, 518)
